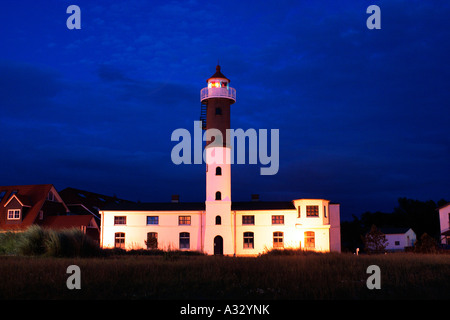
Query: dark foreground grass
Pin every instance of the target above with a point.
(316, 276)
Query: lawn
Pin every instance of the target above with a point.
(307, 276)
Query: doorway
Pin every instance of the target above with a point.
(218, 245)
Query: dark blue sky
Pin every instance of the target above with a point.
(363, 114)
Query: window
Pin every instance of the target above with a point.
(278, 240)
(325, 211)
(184, 220)
(248, 240)
(218, 195)
(312, 211)
(152, 220)
(218, 171)
(2, 194)
(218, 220)
(298, 212)
(120, 220)
(277, 219)
(309, 239)
(51, 196)
(218, 111)
(119, 240)
(397, 243)
(184, 240)
(152, 240)
(248, 219)
(14, 214)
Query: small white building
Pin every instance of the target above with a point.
(399, 238)
(444, 220)
(218, 225)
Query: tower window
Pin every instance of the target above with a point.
(219, 111)
(218, 171)
(312, 211)
(218, 220)
(218, 195)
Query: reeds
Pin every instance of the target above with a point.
(37, 241)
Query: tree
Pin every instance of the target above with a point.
(375, 241)
(426, 244)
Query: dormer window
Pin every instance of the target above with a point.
(14, 214)
(51, 196)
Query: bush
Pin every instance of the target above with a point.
(9, 241)
(36, 241)
(32, 241)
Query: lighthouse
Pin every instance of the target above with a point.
(216, 99)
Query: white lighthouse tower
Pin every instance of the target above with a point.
(216, 100)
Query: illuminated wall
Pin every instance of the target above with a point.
(313, 225)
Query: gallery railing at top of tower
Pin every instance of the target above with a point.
(207, 93)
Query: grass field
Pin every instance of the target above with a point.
(308, 276)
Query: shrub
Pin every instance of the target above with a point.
(8, 242)
(36, 241)
(32, 241)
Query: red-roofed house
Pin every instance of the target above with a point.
(26, 205)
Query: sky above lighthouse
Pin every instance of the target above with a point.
(363, 114)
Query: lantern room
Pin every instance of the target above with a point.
(218, 87)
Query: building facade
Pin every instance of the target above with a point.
(444, 221)
(219, 225)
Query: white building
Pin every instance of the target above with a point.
(399, 238)
(218, 225)
(444, 220)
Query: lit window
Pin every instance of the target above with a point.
(312, 211)
(248, 240)
(310, 239)
(184, 240)
(277, 219)
(14, 214)
(184, 220)
(119, 240)
(152, 220)
(278, 240)
(248, 219)
(120, 220)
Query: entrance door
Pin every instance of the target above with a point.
(218, 245)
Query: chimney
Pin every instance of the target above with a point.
(175, 198)
(255, 197)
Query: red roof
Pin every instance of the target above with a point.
(34, 196)
(218, 74)
(67, 222)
